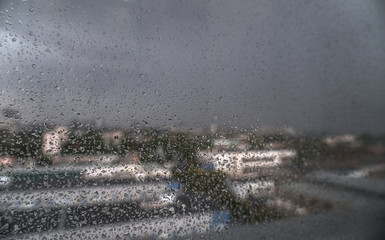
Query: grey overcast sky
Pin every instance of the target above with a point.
(312, 65)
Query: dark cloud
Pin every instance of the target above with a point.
(316, 66)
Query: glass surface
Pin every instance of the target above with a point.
(130, 119)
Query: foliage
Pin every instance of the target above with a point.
(23, 145)
(89, 143)
(212, 184)
(307, 149)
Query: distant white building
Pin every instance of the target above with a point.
(53, 141)
(113, 138)
(347, 140)
(246, 165)
(239, 144)
(213, 128)
(238, 165)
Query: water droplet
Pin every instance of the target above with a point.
(31, 9)
(13, 39)
(34, 65)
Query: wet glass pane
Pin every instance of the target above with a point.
(170, 119)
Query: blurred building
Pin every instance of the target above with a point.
(228, 144)
(244, 164)
(53, 141)
(348, 140)
(113, 138)
(213, 128)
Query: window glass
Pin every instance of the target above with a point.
(173, 119)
